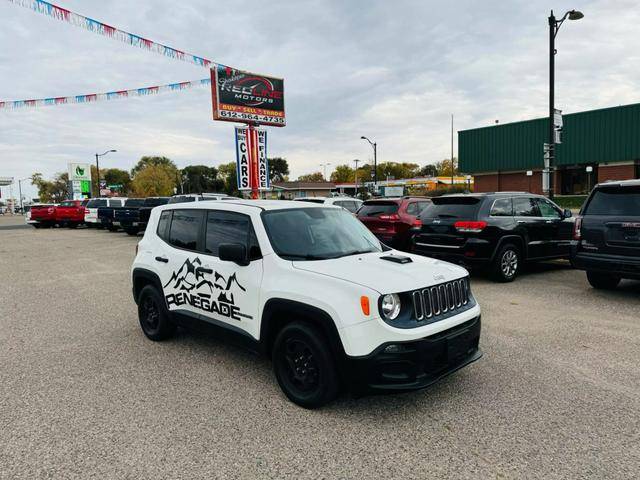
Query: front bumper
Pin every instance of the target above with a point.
(622, 266)
(415, 364)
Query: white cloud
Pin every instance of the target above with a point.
(393, 71)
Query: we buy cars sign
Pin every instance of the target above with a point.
(252, 166)
(247, 97)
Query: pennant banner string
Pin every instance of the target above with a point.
(64, 15)
(96, 97)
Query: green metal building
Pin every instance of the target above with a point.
(510, 156)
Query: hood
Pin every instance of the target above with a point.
(384, 276)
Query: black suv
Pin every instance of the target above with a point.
(498, 230)
(608, 234)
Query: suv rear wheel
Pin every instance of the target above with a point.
(604, 281)
(506, 265)
(153, 315)
(304, 366)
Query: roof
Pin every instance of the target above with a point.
(304, 185)
(261, 204)
(621, 183)
(595, 136)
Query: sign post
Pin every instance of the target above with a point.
(254, 100)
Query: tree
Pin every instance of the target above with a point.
(429, 171)
(312, 177)
(54, 191)
(117, 176)
(343, 174)
(154, 181)
(228, 174)
(147, 160)
(278, 169)
(200, 178)
(444, 167)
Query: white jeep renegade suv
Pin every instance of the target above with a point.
(311, 287)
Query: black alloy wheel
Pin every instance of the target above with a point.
(153, 315)
(304, 366)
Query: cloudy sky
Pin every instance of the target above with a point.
(392, 70)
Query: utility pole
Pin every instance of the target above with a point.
(452, 163)
(356, 181)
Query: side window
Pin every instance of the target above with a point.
(340, 204)
(525, 207)
(412, 209)
(185, 226)
(502, 208)
(547, 209)
(229, 227)
(163, 224)
(351, 206)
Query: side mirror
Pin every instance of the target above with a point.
(567, 213)
(233, 252)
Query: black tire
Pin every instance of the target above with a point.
(112, 228)
(506, 264)
(132, 230)
(603, 281)
(304, 366)
(72, 225)
(36, 225)
(153, 315)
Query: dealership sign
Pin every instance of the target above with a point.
(252, 166)
(79, 171)
(79, 180)
(247, 97)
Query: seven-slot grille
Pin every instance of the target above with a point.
(439, 299)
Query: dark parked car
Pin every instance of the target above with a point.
(607, 234)
(106, 215)
(498, 231)
(134, 217)
(390, 219)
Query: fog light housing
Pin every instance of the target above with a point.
(395, 348)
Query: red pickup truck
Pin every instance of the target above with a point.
(70, 213)
(43, 216)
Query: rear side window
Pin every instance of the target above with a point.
(452, 207)
(134, 202)
(374, 209)
(163, 224)
(182, 199)
(115, 202)
(502, 208)
(525, 207)
(154, 202)
(615, 201)
(226, 227)
(67, 204)
(185, 226)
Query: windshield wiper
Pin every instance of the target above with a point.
(298, 256)
(353, 252)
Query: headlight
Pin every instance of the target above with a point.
(390, 306)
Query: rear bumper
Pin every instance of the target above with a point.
(473, 253)
(622, 266)
(417, 364)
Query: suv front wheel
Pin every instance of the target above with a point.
(506, 265)
(603, 281)
(304, 366)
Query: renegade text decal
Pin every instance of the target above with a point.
(192, 288)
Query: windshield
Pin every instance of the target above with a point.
(451, 207)
(617, 201)
(317, 233)
(182, 199)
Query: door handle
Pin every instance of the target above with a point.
(162, 259)
(520, 221)
(549, 221)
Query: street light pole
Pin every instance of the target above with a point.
(356, 180)
(554, 26)
(374, 145)
(98, 155)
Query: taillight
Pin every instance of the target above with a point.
(417, 223)
(393, 216)
(577, 229)
(470, 226)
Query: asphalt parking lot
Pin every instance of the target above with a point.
(85, 395)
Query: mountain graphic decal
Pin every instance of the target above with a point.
(192, 277)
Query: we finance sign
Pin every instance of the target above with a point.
(252, 166)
